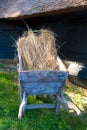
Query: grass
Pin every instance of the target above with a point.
(38, 119)
(2, 65)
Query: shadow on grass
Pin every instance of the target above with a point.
(38, 119)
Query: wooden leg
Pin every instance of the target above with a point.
(21, 93)
(68, 104)
(22, 106)
(61, 102)
(72, 106)
(57, 105)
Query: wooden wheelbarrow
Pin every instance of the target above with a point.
(43, 82)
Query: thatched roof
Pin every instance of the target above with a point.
(18, 8)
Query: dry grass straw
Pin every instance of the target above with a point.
(38, 50)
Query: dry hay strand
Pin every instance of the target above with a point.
(38, 50)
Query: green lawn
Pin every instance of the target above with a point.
(38, 119)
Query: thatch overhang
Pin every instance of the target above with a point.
(34, 8)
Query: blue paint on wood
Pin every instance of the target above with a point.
(42, 75)
(38, 82)
(41, 88)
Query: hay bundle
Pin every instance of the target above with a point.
(38, 50)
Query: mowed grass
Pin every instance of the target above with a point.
(38, 119)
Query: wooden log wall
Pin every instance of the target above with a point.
(9, 33)
(70, 28)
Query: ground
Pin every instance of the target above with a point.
(38, 119)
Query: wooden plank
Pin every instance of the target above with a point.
(42, 88)
(34, 106)
(61, 65)
(20, 64)
(38, 82)
(22, 106)
(57, 104)
(42, 76)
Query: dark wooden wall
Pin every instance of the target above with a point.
(9, 33)
(70, 28)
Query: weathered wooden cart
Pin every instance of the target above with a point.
(43, 82)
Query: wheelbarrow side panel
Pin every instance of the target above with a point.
(42, 81)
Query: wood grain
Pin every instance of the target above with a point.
(42, 76)
(44, 105)
(42, 88)
(42, 81)
(39, 82)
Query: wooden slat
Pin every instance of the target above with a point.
(34, 106)
(42, 76)
(38, 82)
(42, 88)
